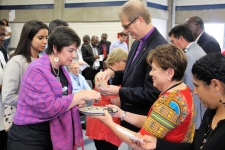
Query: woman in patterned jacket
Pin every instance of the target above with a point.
(171, 117)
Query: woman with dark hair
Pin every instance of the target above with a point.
(8, 32)
(209, 80)
(47, 114)
(33, 39)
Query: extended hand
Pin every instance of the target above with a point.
(106, 119)
(85, 95)
(119, 113)
(110, 90)
(81, 104)
(106, 75)
(149, 142)
(96, 56)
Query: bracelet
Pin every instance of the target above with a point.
(123, 116)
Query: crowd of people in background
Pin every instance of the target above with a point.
(169, 96)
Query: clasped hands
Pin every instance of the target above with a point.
(103, 87)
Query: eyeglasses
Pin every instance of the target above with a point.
(127, 26)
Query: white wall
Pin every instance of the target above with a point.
(161, 2)
(198, 2)
(217, 31)
(25, 2)
(86, 1)
(161, 25)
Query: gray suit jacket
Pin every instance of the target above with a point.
(194, 52)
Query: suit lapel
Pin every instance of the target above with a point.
(192, 45)
(201, 39)
(131, 55)
(90, 50)
(143, 49)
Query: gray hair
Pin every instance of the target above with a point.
(72, 63)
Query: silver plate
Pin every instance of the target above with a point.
(95, 110)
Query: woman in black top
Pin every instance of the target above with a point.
(209, 81)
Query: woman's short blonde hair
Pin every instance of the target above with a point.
(116, 55)
(169, 56)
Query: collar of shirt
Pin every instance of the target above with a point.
(186, 49)
(147, 35)
(119, 42)
(76, 76)
(199, 36)
(91, 46)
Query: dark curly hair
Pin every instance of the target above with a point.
(211, 66)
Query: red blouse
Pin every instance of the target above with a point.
(171, 117)
(95, 129)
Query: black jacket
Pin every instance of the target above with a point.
(137, 93)
(208, 43)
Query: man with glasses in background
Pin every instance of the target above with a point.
(78, 81)
(120, 43)
(137, 93)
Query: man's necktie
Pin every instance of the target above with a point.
(104, 50)
(138, 50)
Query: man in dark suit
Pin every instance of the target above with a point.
(86, 40)
(90, 53)
(137, 93)
(204, 40)
(104, 45)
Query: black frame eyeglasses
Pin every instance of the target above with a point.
(127, 26)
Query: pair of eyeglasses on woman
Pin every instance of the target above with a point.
(127, 26)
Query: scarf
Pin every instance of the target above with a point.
(66, 130)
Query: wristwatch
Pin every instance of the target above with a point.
(123, 116)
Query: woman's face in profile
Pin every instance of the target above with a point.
(67, 54)
(4, 22)
(159, 76)
(39, 41)
(122, 64)
(206, 94)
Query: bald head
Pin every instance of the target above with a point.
(104, 37)
(197, 20)
(196, 25)
(94, 41)
(86, 39)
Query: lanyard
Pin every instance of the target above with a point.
(173, 86)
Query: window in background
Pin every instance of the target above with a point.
(217, 31)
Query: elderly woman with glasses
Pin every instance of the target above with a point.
(103, 137)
